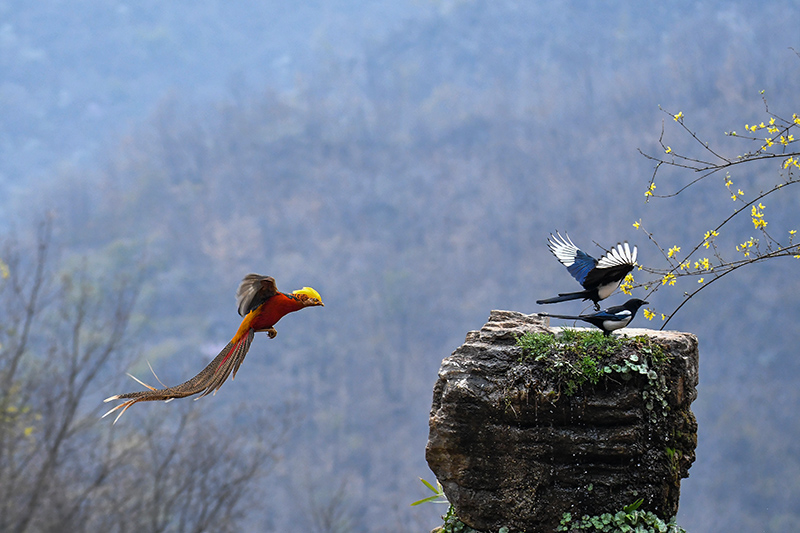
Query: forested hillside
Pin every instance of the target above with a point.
(410, 170)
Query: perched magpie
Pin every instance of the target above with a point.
(600, 278)
(608, 320)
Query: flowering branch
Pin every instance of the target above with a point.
(780, 144)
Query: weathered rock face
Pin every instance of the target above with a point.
(512, 450)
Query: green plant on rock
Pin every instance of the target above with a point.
(438, 494)
(535, 345)
(577, 357)
(451, 522)
(453, 525)
(629, 520)
(655, 393)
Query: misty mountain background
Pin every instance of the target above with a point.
(407, 159)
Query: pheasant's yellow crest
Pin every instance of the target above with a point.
(308, 291)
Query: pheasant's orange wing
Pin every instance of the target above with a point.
(253, 291)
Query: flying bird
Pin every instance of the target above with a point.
(600, 278)
(262, 305)
(613, 318)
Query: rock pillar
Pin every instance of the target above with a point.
(517, 441)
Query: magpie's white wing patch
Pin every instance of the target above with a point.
(618, 321)
(613, 325)
(563, 248)
(619, 255)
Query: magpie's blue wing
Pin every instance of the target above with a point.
(582, 265)
(579, 264)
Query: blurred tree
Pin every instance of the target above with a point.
(63, 470)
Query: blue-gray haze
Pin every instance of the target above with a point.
(408, 160)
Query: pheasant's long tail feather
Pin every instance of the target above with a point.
(229, 363)
(209, 380)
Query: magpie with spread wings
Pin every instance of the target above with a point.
(262, 305)
(599, 277)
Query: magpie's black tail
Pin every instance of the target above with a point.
(565, 317)
(583, 295)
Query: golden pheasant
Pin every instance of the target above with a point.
(262, 305)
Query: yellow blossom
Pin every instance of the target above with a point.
(668, 150)
(745, 247)
(650, 189)
(637, 224)
(679, 116)
(700, 280)
(685, 265)
(708, 236)
(627, 284)
(669, 278)
(703, 263)
(674, 250)
(649, 314)
(758, 216)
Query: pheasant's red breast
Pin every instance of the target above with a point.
(268, 314)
